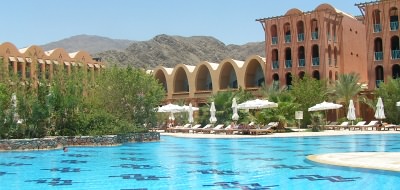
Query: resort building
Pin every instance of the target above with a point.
(381, 19)
(323, 43)
(33, 63)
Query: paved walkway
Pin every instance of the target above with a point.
(389, 161)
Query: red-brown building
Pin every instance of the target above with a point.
(324, 43)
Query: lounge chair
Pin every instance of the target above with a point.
(206, 129)
(388, 127)
(330, 125)
(217, 128)
(267, 129)
(372, 124)
(359, 125)
(344, 125)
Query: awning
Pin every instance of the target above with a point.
(73, 63)
(66, 63)
(28, 59)
(20, 59)
(12, 58)
(48, 62)
(97, 65)
(90, 65)
(55, 62)
(41, 61)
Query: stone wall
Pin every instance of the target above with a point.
(59, 142)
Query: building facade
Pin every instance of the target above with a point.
(381, 19)
(32, 64)
(323, 43)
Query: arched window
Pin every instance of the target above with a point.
(379, 75)
(335, 54)
(301, 55)
(288, 58)
(300, 31)
(275, 58)
(378, 49)
(315, 55)
(394, 45)
(288, 78)
(329, 55)
(274, 35)
(396, 71)
(376, 16)
(315, 75)
(287, 33)
(394, 19)
(314, 29)
(302, 74)
(275, 83)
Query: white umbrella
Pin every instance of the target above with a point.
(379, 112)
(186, 108)
(190, 111)
(213, 119)
(398, 104)
(171, 108)
(235, 115)
(325, 106)
(351, 112)
(257, 104)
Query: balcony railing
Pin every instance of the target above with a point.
(395, 54)
(379, 56)
(378, 83)
(275, 65)
(288, 63)
(377, 28)
(394, 26)
(274, 40)
(315, 61)
(314, 35)
(302, 62)
(300, 37)
(288, 38)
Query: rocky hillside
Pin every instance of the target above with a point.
(164, 50)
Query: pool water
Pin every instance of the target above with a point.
(196, 163)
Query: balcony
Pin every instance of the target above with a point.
(300, 37)
(315, 61)
(275, 65)
(302, 62)
(379, 56)
(394, 26)
(288, 38)
(274, 40)
(288, 63)
(378, 83)
(314, 35)
(377, 28)
(395, 54)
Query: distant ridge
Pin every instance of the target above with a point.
(162, 50)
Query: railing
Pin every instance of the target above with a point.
(378, 83)
(288, 63)
(302, 62)
(394, 26)
(274, 40)
(377, 28)
(275, 65)
(300, 37)
(395, 54)
(288, 38)
(314, 35)
(379, 56)
(315, 61)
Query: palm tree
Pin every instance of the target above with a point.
(346, 88)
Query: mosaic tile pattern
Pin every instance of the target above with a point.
(53, 181)
(135, 166)
(12, 164)
(292, 167)
(139, 177)
(237, 185)
(65, 170)
(214, 171)
(329, 178)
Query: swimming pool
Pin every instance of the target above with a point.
(194, 163)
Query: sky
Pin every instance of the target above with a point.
(28, 22)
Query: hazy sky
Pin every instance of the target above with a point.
(29, 22)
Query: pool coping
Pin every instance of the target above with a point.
(387, 161)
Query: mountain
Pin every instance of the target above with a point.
(161, 50)
(89, 43)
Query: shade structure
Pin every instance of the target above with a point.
(190, 113)
(379, 111)
(325, 106)
(257, 104)
(186, 108)
(235, 115)
(171, 116)
(171, 108)
(213, 119)
(351, 112)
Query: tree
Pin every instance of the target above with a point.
(307, 92)
(390, 94)
(346, 88)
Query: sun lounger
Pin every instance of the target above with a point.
(372, 124)
(343, 125)
(264, 130)
(358, 125)
(206, 129)
(331, 125)
(217, 128)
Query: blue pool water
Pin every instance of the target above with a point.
(183, 163)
